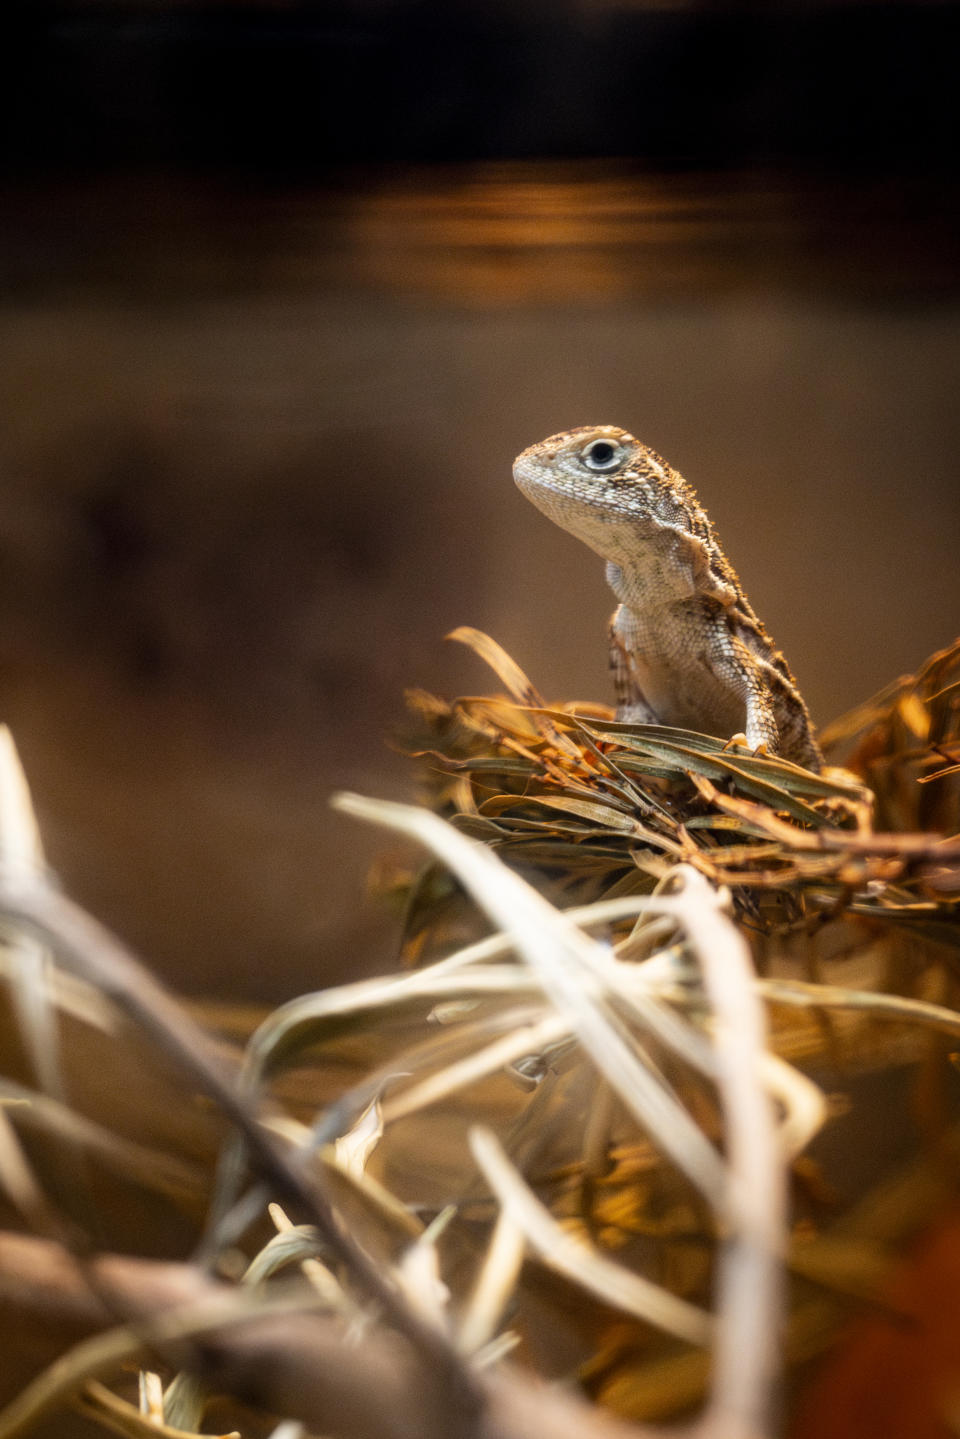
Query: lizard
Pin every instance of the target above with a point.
(686, 647)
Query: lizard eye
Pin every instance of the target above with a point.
(601, 455)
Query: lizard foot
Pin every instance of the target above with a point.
(740, 741)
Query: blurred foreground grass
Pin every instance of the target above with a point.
(669, 1076)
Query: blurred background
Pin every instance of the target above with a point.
(286, 287)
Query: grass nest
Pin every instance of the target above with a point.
(591, 807)
(666, 1087)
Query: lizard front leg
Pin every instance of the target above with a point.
(774, 704)
(632, 704)
(751, 678)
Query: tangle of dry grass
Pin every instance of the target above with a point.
(582, 1142)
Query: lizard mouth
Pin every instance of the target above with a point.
(605, 498)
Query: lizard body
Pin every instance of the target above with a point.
(687, 648)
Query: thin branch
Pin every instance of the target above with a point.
(295, 1364)
(88, 948)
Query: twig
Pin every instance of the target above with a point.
(88, 948)
(295, 1364)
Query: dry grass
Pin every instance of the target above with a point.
(588, 1140)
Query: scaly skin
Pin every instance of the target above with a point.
(686, 647)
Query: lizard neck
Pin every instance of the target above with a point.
(659, 581)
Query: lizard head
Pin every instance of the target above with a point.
(597, 482)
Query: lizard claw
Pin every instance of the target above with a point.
(740, 741)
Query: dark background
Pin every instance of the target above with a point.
(286, 288)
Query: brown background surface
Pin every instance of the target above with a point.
(256, 463)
